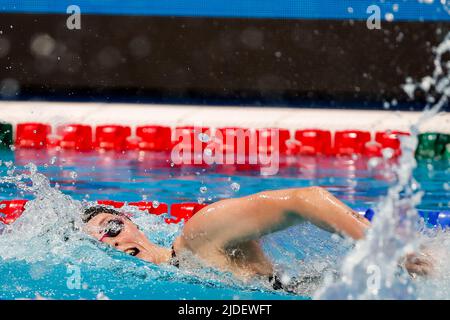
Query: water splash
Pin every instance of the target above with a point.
(372, 270)
(42, 225)
(437, 286)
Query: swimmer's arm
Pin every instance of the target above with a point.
(233, 221)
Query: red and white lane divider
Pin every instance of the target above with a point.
(10, 210)
(178, 211)
(83, 137)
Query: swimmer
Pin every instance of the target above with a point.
(224, 235)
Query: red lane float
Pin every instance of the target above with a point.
(189, 144)
(242, 141)
(112, 137)
(265, 140)
(150, 207)
(384, 140)
(32, 135)
(10, 210)
(234, 139)
(192, 138)
(183, 211)
(349, 142)
(390, 139)
(178, 211)
(161, 208)
(154, 138)
(75, 137)
(111, 203)
(372, 149)
(313, 142)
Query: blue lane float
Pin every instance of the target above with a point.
(433, 218)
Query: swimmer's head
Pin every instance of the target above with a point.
(117, 230)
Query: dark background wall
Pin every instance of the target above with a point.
(217, 60)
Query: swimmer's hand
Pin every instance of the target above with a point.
(419, 264)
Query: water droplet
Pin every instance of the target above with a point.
(155, 204)
(203, 137)
(203, 189)
(387, 153)
(235, 186)
(101, 296)
(73, 175)
(389, 17)
(285, 279)
(208, 152)
(373, 163)
(409, 88)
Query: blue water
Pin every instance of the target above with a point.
(123, 177)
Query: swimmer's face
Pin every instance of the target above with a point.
(122, 234)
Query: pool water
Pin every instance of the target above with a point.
(79, 268)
